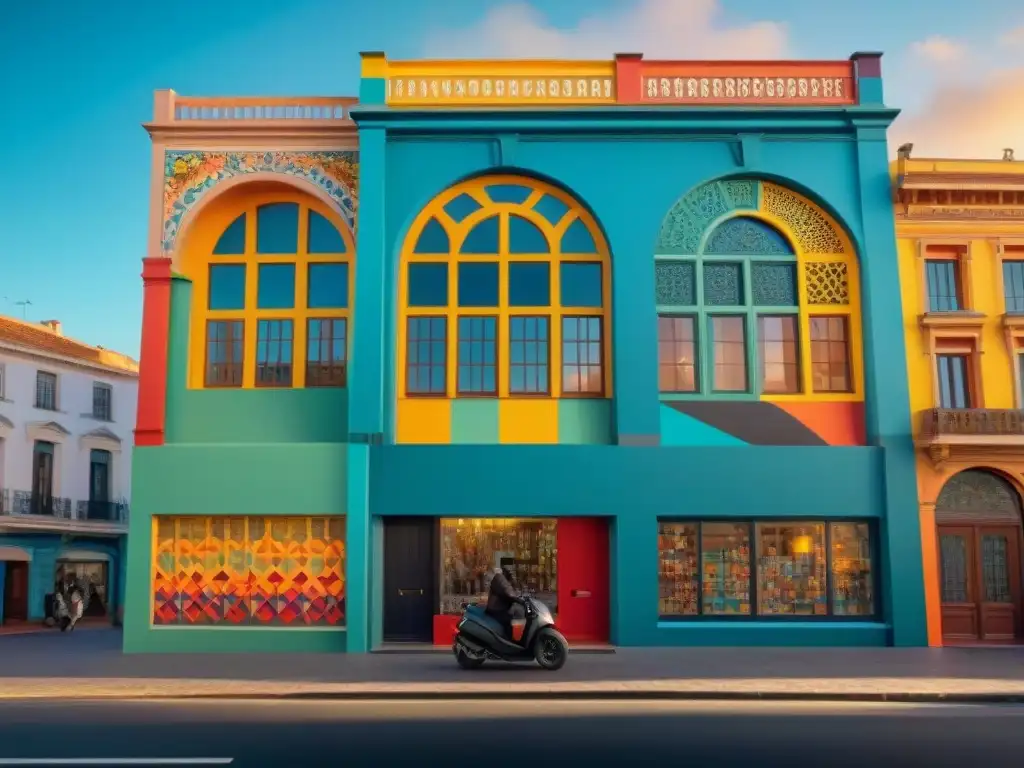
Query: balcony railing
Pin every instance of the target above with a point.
(972, 424)
(172, 108)
(24, 504)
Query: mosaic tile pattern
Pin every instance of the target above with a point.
(190, 174)
(256, 571)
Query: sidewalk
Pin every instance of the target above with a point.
(89, 665)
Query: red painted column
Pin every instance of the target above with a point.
(156, 326)
(628, 78)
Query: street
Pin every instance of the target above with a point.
(486, 733)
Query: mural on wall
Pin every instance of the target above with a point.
(191, 174)
(758, 320)
(255, 571)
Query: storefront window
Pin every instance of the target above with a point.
(677, 563)
(91, 576)
(791, 569)
(725, 567)
(799, 569)
(852, 579)
(471, 548)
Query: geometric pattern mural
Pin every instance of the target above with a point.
(249, 571)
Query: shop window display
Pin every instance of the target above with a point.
(725, 568)
(92, 576)
(798, 569)
(471, 548)
(852, 577)
(791, 569)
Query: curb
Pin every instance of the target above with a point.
(777, 696)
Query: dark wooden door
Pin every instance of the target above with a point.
(16, 592)
(411, 561)
(980, 583)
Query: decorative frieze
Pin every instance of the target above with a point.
(561, 89)
(708, 89)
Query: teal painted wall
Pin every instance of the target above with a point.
(314, 415)
(46, 549)
(284, 479)
(585, 422)
(680, 429)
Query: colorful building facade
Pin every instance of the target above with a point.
(623, 325)
(960, 225)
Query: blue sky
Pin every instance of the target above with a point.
(76, 81)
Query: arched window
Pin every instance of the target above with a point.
(272, 288)
(504, 291)
(757, 297)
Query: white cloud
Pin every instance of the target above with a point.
(967, 119)
(939, 50)
(1013, 37)
(669, 29)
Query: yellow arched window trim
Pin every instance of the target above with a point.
(851, 310)
(457, 233)
(198, 257)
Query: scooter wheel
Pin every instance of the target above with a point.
(466, 661)
(551, 649)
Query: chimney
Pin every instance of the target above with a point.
(903, 153)
(1008, 154)
(53, 325)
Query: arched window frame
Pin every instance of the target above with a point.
(850, 312)
(199, 257)
(457, 233)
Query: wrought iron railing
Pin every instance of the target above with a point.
(980, 422)
(102, 511)
(18, 503)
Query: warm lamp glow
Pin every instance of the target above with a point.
(802, 545)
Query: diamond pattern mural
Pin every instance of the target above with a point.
(249, 571)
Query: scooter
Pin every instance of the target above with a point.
(480, 637)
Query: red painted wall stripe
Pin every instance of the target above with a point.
(628, 84)
(156, 325)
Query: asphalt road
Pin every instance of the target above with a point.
(291, 734)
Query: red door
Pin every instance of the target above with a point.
(584, 599)
(16, 592)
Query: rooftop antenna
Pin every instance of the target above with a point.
(24, 308)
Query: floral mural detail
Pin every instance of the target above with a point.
(190, 174)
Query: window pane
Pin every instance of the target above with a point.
(328, 286)
(729, 353)
(725, 569)
(277, 228)
(46, 391)
(581, 284)
(780, 355)
(995, 568)
(678, 576)
(954, 381)
(426, 356)
(326, 352)
(478, 284)
(528, 356)
(943, 285)
(677, 354)
(525, 237)
(433, 239)
(791, 569)
(582, 358)
(1013, 285)
(723, 285)
(830, 370)
(477, 373)
(955, 567)
(323, 236)
(227, 286)
(483, 238)
(276, 288)
(529, 284)
(428, 285)
(577, 238)
(472, 548)
(232, 240)
(852, 577)
(224, 345)
(274, 353)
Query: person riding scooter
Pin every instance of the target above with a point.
(500, 599)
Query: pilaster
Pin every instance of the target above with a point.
(156, 316)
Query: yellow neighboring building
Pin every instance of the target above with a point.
(960, 227)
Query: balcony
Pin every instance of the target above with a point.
(22, 510)
(970, 431)
(200, 116)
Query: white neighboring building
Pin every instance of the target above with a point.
(67, 414)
